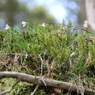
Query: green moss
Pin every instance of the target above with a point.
(55, 45)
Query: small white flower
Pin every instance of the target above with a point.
(44, 25)
(85, 25)
(7, 27)
(26, 55)
(23, 23)
(73, 54)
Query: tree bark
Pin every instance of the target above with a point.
(82, 13)
(90, 11)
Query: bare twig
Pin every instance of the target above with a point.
(12, 86)
(41, 65)
(72, 27)
(49, 82)
(37, 86)
(43, 81)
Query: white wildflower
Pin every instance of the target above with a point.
(73, 54)
(7, 27)
(23, 23)
(85, 25)
(44, 25)
(26, 55)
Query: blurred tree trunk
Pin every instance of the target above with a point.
(90, 12)
(11, 8)
(82, 13)
(87, 12)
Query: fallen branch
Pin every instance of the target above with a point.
(49, 82)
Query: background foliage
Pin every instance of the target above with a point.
(13, 12)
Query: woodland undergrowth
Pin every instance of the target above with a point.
(57, 52)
